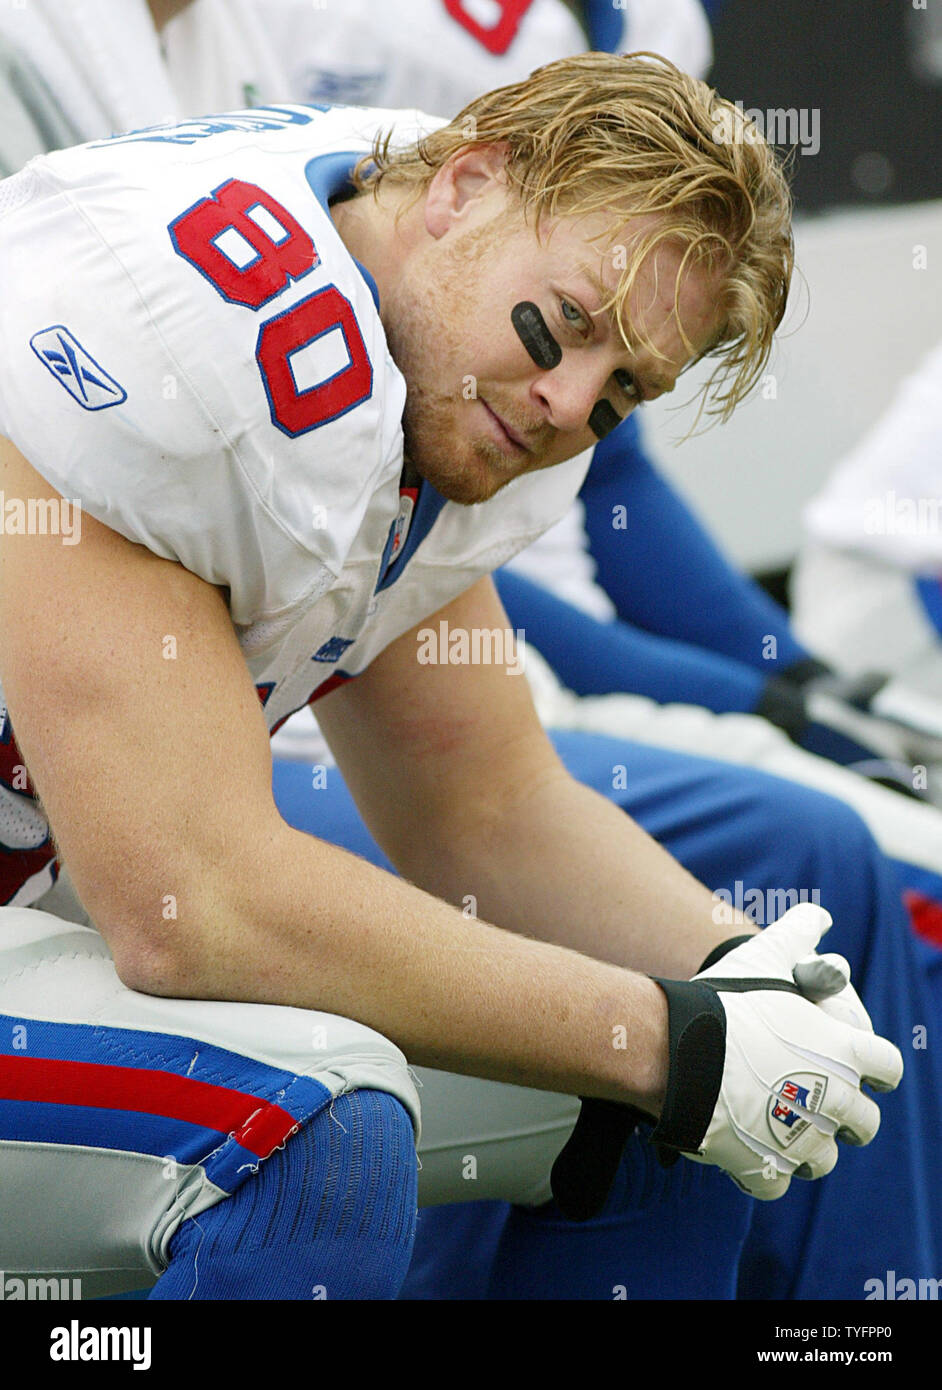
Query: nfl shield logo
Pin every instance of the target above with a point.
(798, 1095)
(793, 1098)
(401, 525)
(781, 1112)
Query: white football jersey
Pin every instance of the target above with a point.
(80, 70)
(440, 54)
(193, 356)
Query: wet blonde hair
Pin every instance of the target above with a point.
(634, 135)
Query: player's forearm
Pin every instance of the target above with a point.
(303, 923)
(564, 864)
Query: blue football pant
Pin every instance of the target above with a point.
(652, 555)
(594, 657)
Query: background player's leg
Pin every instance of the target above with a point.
(652, 554)
(769, 836)
(664, 1233)
(896, 1178)
(594, 657)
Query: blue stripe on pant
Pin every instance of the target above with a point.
(726, 825)
(140, 1130)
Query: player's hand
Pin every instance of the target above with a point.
(898, 725)
(786, 1081)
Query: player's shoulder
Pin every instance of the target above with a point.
(208, 344)
(221, 190)
(281, 139)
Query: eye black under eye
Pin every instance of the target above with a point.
(626, 382)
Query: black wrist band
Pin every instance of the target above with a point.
(583, 1173)
(720, 951)
(697, 1050)
(585, 1169)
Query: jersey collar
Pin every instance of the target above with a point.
(329, 175)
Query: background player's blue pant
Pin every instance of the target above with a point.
(593, 657)
(822, 1240)
(691, 626)
(664, 572)
(929, 589)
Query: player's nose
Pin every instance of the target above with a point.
(567, 397)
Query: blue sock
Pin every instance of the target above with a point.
(331, 1215)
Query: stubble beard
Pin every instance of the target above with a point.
(459, 461)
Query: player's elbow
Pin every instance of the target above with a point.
(160, 944)
(173, 916)
(148, 964)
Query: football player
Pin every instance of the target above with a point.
(277, 393)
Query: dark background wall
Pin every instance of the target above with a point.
(874, 70)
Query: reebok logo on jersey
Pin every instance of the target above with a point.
(75, 369)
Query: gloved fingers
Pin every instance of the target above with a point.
(815, 1153)
(847, 1007)
(820, 977)
(799, 929)
(759, 1184)
(777, 949)
(759, 1172)
(856, 1115)
(879, 1062)
(792, 1139)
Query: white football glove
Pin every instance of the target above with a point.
(769, 1045)
(793, 1064)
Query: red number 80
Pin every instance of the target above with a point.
(250, 248)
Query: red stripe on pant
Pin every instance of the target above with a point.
(256, 1124)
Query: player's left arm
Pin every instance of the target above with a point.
(460, 785)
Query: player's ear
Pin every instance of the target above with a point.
(474, 173)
